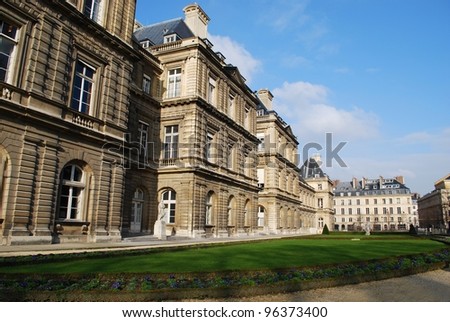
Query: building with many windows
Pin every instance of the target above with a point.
(204, 154)
(103, 121)
(286, 202)
(313, 175)
(434, 207)
(378, 204)
(64, 90)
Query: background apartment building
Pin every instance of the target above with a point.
(434, 207)
(381, 204)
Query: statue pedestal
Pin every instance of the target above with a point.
(160, 230)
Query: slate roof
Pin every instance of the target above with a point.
(311, 169)
(372, 185)
(156, 32)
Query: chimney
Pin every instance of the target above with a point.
(266, 98)
(363, 182)
(400, 179)
(354, 183)
(197, 20)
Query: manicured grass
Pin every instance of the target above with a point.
(273, 254)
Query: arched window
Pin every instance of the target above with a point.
(169, 198)
(231, 211)
(71, 200)
(137, 206)
(246, 213)
(209, 208)
(261, 215)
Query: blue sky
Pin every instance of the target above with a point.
(374, 73)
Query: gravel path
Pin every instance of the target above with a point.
(432, 286)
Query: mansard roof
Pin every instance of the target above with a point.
(311, 169)
(371, 186)
(156, 32)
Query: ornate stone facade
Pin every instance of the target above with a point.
(64, 98)
(434, 207)
(286, 201)
(102, 124)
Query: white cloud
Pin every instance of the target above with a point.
(305, 106)
(237, 55)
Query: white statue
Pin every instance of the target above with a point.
(367, 228)
(162, 210)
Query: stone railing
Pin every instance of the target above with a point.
(83, 121)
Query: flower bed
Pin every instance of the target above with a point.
(146, 287)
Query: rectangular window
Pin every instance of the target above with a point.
(350, 211)
(170, 38)
(230, 157)
(367, 201)
(8, 43)
(92, 9)
(208, 147)
(376, 211)
(358, 211)
(342, 211)
(82, 87)
(350, 219)
(143, 139)
(349, 202)
(171, 142)
(261, 146)
(320, 202)
(146, 84)
(174, 83)
(358, 202)
(231, 107)
(212, 91)
(384, 210)
(367, 211)
(399, 210)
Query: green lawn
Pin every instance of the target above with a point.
(273, 254)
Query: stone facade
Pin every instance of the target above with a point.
(313, 175)
(105, 128)
(382, 204)
(434, 207)
(286, 202)
(63, 98)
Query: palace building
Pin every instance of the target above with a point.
(102, 119)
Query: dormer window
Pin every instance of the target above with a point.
(170, 38)
(145, 43)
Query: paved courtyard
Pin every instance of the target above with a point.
(431, 286)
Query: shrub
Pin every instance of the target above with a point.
(325, 230)
(412, 230)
